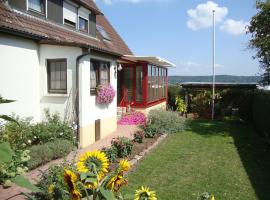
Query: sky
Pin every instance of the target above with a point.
(181, 32)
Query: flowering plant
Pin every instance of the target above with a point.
(105, 94)
(134, 118)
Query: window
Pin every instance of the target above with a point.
(69, 15)
(57, 75)
(99, 74)
(139, 84)
(37, 5)
(102, 31)
(83, 24)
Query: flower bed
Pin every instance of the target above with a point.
(134, 118)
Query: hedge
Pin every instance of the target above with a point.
(261, 112)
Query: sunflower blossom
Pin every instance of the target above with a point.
(145, 194)
(124, 165)
(71, 179)
(116, 182)
(96, 158)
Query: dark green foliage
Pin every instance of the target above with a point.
(237, 98)
(163, 122)
(138, 136)
(260, 38)
(123, 145)
(173, 91)
(41, 154)
(111, 153)
(261, 112)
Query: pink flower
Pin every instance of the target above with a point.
(105, 94)
(134, 118)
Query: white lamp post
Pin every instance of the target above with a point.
(213, 87)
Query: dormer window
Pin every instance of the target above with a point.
(37, 6)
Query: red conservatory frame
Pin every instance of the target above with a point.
(145, 103)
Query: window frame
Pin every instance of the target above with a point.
(43, 6)
(49, 89)
(97, 70)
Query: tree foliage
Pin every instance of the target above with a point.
(260, 38)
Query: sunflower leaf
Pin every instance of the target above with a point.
(25, 183)
(83, 176)
(107, 194)
(5, 153)
(90, 180)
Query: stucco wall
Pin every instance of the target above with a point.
(59, 103)
(19, 76)
(89, 110)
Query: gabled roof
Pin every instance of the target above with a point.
(90, 5)
(45, 31)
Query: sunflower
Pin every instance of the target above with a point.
(145, 193)
(124, 165)
(96, 158)
(213, 198)
(71, 178)
(116, 182)
(51, 188)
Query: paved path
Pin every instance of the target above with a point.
(35, 175)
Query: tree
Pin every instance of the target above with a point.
(260, 38)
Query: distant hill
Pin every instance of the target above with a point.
(219, 79)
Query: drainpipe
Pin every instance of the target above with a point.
(77, 102)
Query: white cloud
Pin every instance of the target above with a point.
(109, 2)
(234, 27)
(201, 16)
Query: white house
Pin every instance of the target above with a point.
(49, 49)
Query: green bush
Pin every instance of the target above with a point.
(25, 134)
(123, 145)
(261, 112)
(173, 91)
(138, 136)
(164, 122)
(111, 153)
(41, 154)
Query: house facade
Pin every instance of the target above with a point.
(54, 54)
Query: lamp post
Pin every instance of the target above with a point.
(213, 83)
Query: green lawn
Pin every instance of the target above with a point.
(230, 161)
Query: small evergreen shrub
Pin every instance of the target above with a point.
(164, 122)
(123, 146)
(41, 154)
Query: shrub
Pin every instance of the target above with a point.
(12, 164)
(24, 134)
(173, 91)
(261, 111)
(123, 146)
(41, 154)
(111, 153)
(164, 122)
(180, 104)
(138, 136)
(150, 130)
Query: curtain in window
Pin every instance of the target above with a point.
(93, 78)
(35, 5)
(104, 74)
(139, 80)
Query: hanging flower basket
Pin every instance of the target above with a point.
(105, 94)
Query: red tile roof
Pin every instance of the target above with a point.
(50, 32)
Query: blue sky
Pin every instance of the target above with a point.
(181, 31)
